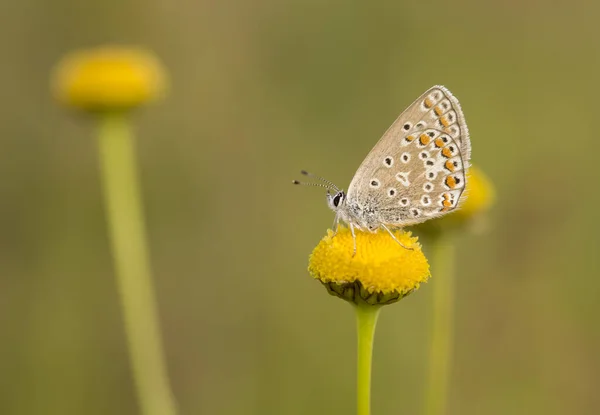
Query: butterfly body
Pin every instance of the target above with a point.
(415, 172)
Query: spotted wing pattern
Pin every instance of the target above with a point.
(417, 170)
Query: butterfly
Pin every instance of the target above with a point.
(417, 171)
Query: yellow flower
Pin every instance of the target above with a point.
(109, 78)
(381, 272)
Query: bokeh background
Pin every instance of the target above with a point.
(259, 90)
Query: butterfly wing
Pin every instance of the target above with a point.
(417, 170)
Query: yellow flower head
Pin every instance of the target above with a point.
(109, 78)
(479, 196)
(381, 272)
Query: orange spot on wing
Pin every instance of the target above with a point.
(428, 103)
(439, 142)
(410, 138)
(446, 202)
(425, 139)
(449, 165)
(438, 111)
(446, 152)
(450, 182)
(444, 121)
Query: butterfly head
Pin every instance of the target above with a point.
(336, 200)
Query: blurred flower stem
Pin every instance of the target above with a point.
(366, 319)
(440, 238)
(442, 328)
(130, 253)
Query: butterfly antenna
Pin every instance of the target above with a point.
(330, 184)
(312, 184)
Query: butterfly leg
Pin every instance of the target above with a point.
(394, 237)
(353, 238)
(336, 224)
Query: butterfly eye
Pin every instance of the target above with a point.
(337, 199)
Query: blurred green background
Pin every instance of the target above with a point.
(261, 90)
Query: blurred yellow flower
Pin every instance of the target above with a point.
(108, 78)
(381, 272)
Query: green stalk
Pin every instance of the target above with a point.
(366, 318)
(130, 255)
(442, 329)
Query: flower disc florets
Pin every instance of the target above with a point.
(381, 272)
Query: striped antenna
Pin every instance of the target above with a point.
(330, 185)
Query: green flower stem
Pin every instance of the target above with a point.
(366, 318)
(130, 255)
(440, 352)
